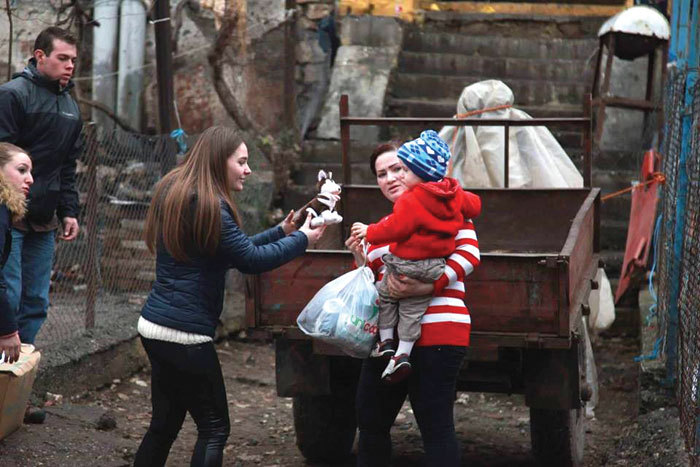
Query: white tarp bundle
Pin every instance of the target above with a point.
(536, 159)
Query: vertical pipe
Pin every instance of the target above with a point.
(10, 38)
(596, 76)
(132, 42)
(164, 68)
(289, 66)
(506, 156)
(605, 90)
(686, 59)
(345, 139)
(104, 58)
(91, 224)
(587, 144)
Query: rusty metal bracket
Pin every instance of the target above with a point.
(533, 341)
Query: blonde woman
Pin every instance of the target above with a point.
(15, 180)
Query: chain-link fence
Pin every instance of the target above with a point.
(671, 151)
(104, 276)
(679, 245)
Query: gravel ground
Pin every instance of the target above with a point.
(104, 427)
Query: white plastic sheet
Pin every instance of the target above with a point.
(536, 159)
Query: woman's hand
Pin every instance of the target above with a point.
(400, 286)
(10, 345)
(354, 244)
(312, 234)
(288, 223)
(359, 230)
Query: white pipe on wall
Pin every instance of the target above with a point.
(104, 53)
(132, 43)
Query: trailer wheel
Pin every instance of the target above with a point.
(325, 427)
(558, 436)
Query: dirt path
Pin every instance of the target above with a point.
(493, 430)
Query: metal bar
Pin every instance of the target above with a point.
(587, 144)
(91, 224)
(661, 114)
(625, 102)
(289, 66)
(506, 155)
(379, 121)
(164, 72)
(598, 62)
(649, 96)
(605, 90)
(345, 123)
(682, 54)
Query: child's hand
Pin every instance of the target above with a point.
(359, 230)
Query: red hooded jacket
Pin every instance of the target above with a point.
(425, 220)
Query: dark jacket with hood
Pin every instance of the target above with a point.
(44, 120)
(12, 206)
(189, 296)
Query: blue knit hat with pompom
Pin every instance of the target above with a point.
(426, 156)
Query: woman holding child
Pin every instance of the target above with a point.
(424, 365)
(194, 228)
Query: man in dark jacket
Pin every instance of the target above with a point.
(38, 114)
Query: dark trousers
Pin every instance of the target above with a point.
(431, 390)
(185, 378)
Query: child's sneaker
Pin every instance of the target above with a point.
(384, 349)
(398, 369)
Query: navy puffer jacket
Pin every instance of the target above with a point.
(189, 295)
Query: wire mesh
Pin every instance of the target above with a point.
(671, 152)
(103, 277)
(689, 297)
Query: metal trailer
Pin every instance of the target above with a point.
(539, 256)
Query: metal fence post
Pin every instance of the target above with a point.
(91, 224)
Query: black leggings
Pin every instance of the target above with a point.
(185, 378)
(431, 389)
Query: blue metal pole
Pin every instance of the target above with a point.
(685, 51)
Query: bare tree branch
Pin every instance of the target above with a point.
(177, 23)
(217, 56)
(107, 111)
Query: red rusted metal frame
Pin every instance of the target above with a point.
(346, 121)
(580, 261)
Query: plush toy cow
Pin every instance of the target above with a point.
(322, 207)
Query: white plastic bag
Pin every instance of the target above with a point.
(344, 313)
(602, 304)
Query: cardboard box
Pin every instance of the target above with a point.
(16, 381)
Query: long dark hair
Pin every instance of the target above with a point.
(185, 213)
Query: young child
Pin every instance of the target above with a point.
(421, 232)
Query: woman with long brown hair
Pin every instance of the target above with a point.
(194, 228)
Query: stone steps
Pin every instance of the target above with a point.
(439, 42)
(459, 64)
(527, 92)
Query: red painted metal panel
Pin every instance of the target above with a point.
(641, 226)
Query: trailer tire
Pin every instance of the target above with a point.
(557, 436)
(325, 427)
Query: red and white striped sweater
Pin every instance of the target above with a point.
(447, 320)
